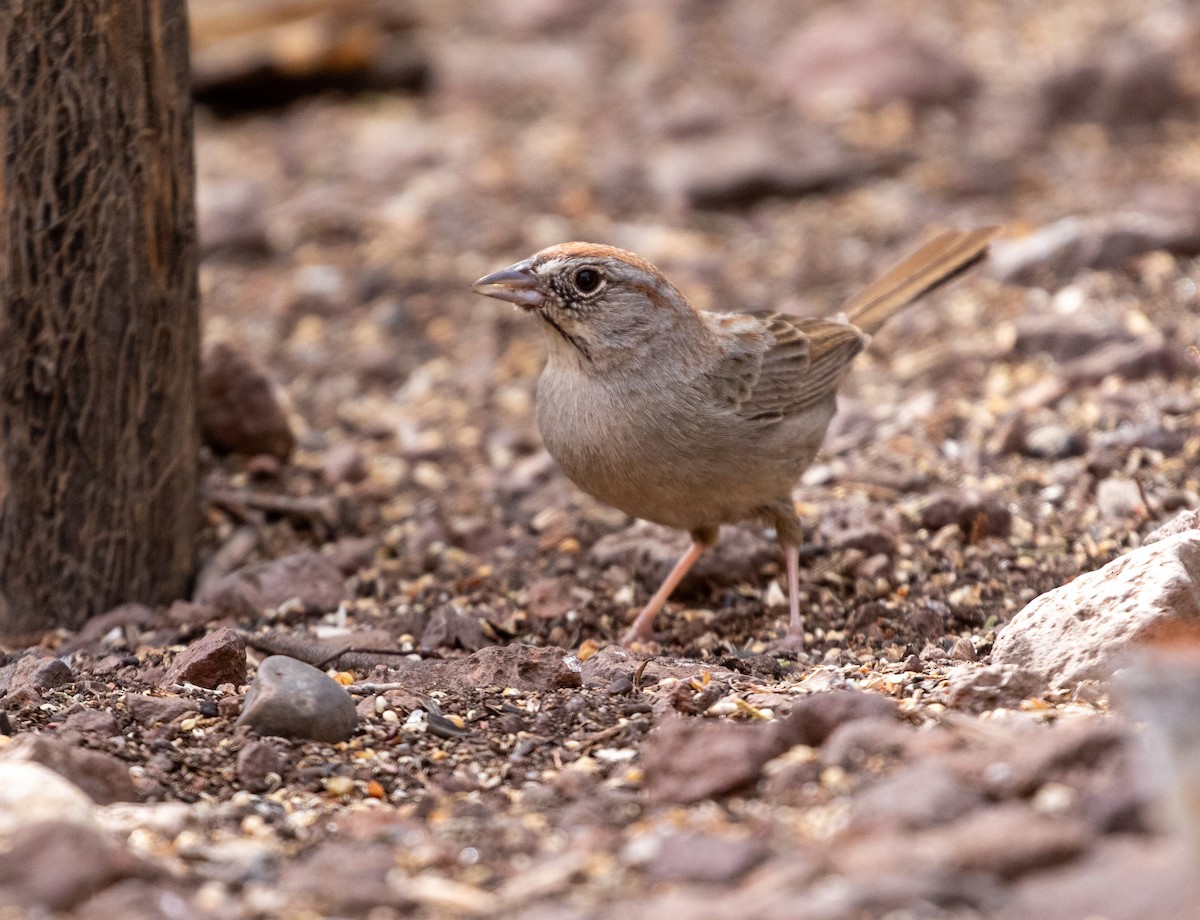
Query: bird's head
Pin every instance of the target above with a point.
(601, 306)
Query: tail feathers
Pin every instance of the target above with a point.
(944, 257)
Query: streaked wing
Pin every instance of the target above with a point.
(800, 365)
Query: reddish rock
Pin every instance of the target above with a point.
(344, 463)
(846, 59)
(522, 667)
(814, 718)
(548, 598)
(238, 410)
(976, 515)
(218, 658)
(255, 764)
(153, 710)
(308, 578)
(343, 878)
(974, 687)
(190, 616)
(650, 551)
(140, 899)
(921, 794)
(854, 743)
(124, 616)
(448, 628)
(53, 865)
(1126, 878)
(39, 672)
(1007, 840)
(98, 722)
(686, 760)
(704, 858)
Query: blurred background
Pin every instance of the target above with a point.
(374, 480)
(362, 162)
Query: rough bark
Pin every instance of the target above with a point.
(99, 327)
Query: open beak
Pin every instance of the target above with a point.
(516, 284)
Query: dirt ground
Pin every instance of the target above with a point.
(1030, 423)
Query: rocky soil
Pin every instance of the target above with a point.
(378, 504)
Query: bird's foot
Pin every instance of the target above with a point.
(790, 646)
(640, 633)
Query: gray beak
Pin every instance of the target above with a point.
(516, 284)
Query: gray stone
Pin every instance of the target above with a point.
(1118, 498)
(295, 700)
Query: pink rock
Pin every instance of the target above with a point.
(861, 58)
(238, 410)
(218, 658)
(1079, 631)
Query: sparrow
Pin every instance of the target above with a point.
(689, 418)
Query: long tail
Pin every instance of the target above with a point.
(944, 257)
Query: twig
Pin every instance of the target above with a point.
(233, 553)
(238, 501)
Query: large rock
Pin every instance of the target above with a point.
(30, 792)
(103, 777)
(1079, 631)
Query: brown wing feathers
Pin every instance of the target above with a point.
(808, 357)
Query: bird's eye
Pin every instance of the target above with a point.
(587, 280)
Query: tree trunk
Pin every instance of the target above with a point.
(99, 319)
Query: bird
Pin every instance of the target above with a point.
(691, 418)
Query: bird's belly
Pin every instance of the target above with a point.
(675, 469)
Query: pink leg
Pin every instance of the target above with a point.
(795, 633)
(642, 627)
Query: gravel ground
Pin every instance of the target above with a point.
(1029, 424)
